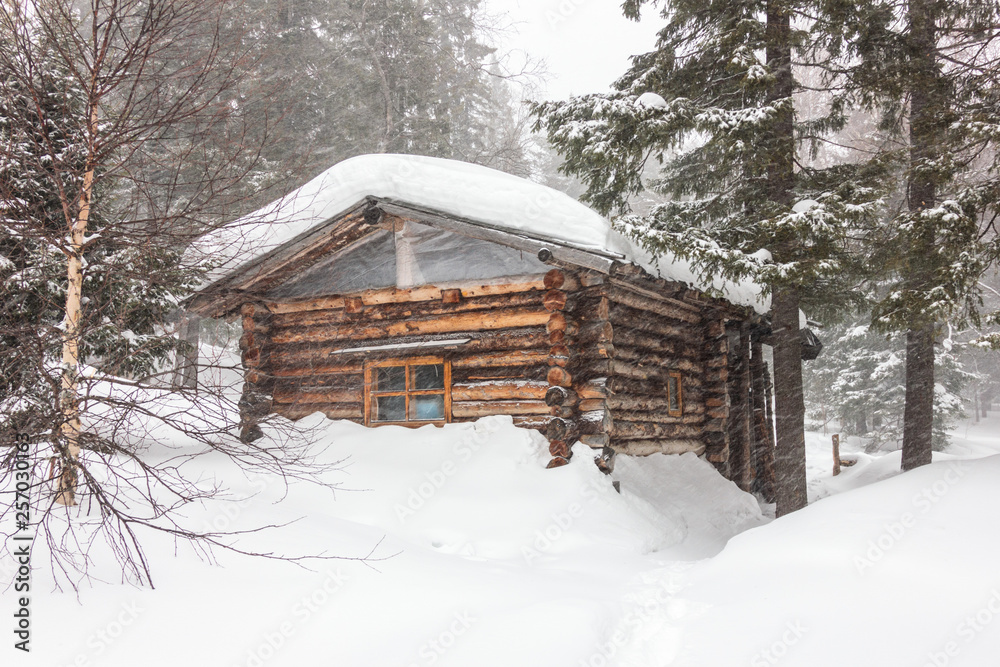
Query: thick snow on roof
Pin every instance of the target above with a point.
(468, 191)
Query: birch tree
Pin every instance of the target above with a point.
(127, 128)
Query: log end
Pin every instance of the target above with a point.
(559, 377)
(556, 396)
(557, 462)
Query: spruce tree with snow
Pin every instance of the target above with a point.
(385, 76)
(859, 382)
(127, 288)
(931, 71)
(713, 104)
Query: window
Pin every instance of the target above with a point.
(675, 402)
(403, 391)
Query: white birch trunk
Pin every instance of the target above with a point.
(70, 399)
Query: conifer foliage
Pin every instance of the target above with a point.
(385, 76)
(931, 71)
(713, 105)
(129, 288)
(859, 384)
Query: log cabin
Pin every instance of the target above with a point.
(410, 291)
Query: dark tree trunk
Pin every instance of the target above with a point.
(918, 415)
(186, 364)
(925, 116)
(861, 423)
(789, 407)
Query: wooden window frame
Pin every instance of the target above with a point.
(680, 394)
(406, 363)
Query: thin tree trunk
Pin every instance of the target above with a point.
(925, 109)
(861, 423)
(918, 413)
(70, 399)
(789, 406)
(383, 144)
(763, 426)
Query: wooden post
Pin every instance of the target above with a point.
(186, 364)
(836, 454)
(740, 410)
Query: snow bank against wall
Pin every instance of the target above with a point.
(485, 558)
(482, 489)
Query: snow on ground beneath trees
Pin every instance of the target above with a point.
(483, 557)
(451, 187)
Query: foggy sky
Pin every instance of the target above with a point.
(586, 43)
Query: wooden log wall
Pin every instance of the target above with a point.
(715, 393)
(654, 335)
(316, 350)
(615, 344)
(580, 356)
(562, 290)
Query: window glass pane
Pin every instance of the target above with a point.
(674, 393)
(389, 409)
(425, 408)
(390, 378)
(427, 377)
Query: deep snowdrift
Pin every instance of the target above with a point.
(488, 559)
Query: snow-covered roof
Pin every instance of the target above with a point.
(468, 191)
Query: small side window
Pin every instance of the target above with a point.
(401, 391)
(675, 399)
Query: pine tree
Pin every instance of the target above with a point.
(399, 76)
(30, 263)
(714, 105)
(931, 70)
(91, 290)
(860, 381)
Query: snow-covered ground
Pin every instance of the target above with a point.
(482, 557)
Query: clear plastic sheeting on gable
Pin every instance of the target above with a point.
(415, 255)
(367, 264)
(427, 255)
